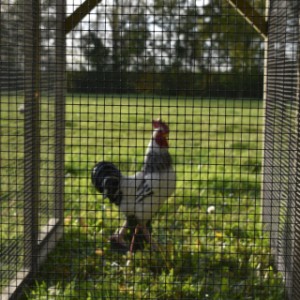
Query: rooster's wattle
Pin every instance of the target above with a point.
(139, 196)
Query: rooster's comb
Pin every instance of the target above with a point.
(158, 123)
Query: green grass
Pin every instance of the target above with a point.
(216, 148)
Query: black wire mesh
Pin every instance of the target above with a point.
(228, 229)
(32, 116)
(282, 106)
(12, 145)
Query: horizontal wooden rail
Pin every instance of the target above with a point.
(251, 15)
(242, 6)
(76, 17)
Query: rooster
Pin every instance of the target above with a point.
(139, 196)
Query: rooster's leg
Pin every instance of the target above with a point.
(121, 232)
(118, 237)
(154, 245)
(136, 230)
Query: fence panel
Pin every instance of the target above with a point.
(32, 128)
(281, 135)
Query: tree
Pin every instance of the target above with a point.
(177, 39)
(121, 47)
(231, 39)
(97, 54)
(12, 44)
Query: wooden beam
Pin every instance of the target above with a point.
(251, 15)
(76, 17)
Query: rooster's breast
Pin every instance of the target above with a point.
(143, 194)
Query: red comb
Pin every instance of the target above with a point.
(160, 124)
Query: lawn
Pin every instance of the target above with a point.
(210, 231)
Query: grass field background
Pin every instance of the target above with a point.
(210, 230)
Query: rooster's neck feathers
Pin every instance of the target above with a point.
(157, 161)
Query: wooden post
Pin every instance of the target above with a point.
(60, 110)
(296, 262)
(32, 138)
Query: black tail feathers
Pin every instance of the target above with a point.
(106, 179)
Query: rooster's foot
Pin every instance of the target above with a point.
(118, 243)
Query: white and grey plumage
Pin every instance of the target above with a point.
(139, 196)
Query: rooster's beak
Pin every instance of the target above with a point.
(155, 123)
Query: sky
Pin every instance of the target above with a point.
(74, 54)
(73, 4)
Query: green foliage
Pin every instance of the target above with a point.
(177, 47)
(219, 255)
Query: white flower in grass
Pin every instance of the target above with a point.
(211, 209)
(21, 108)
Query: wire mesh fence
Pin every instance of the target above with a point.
(161, 138)
(281, 132)
(32, 110)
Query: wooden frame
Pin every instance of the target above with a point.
(39, 241)
(242, 6)
(251, 15)
(76, 17)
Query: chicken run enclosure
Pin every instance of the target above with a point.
(179, 117)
